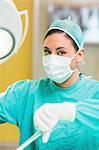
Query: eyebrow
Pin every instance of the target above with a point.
(61, 48)
(46, 47)
(56, 48)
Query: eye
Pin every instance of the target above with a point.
(61, 53)
(47, 52)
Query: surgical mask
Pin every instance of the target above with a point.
(58, 67)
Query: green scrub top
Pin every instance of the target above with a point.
(20, 101)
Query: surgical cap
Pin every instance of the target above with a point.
(69, 27)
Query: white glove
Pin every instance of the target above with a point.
(48, 115)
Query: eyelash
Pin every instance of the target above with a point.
(47, 52)
(62, 53)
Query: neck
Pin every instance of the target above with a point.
(70, 81)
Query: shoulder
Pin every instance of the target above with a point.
(91, 85)
(19, 85)
(39, 83)
(22, 86)
(17, 88)
(91, 82)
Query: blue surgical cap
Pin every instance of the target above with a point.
(71, 28)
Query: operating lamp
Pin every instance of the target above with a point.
(12, 34)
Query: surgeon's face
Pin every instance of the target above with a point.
(60, 44)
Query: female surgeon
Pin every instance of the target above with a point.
(65, 105)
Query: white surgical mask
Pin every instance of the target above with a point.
(58, 67)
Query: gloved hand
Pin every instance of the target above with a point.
(48, 115)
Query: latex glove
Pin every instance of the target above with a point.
(48, 115)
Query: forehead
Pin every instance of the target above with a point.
(58, 39)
